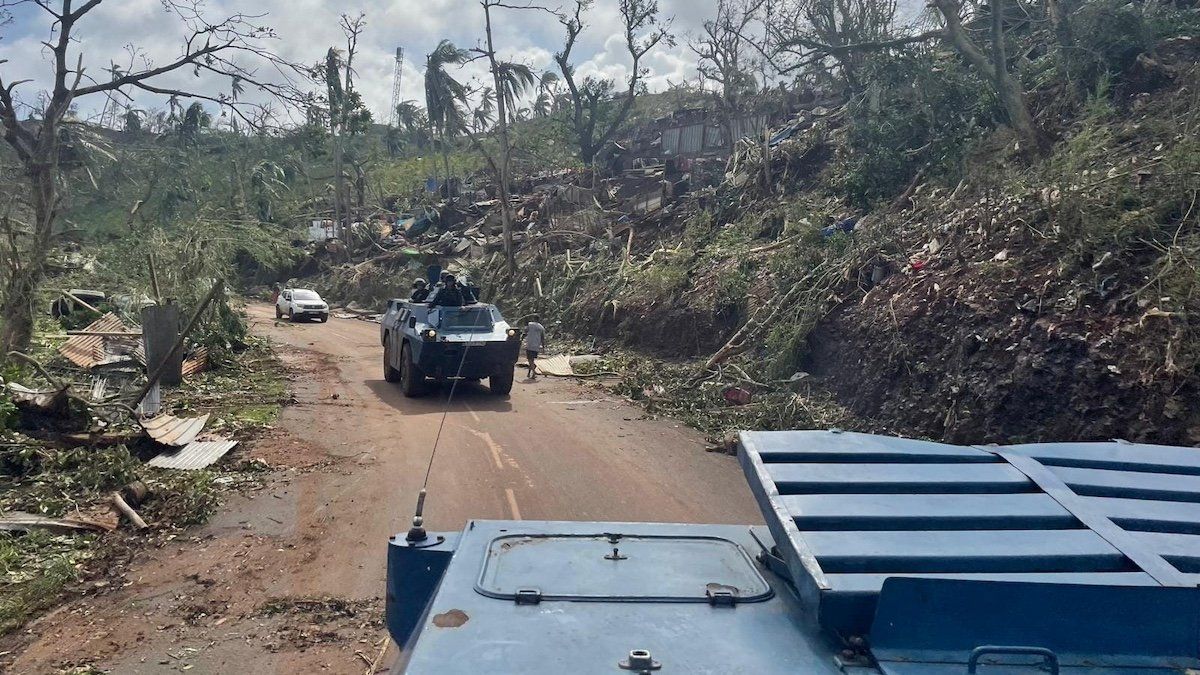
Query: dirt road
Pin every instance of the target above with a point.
(290, 578)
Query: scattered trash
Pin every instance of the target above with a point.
(736, 395)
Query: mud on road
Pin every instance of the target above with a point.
(289, 578)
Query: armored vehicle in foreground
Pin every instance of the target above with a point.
(425, 343)
(878, 556)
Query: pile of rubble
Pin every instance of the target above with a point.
(102, 390)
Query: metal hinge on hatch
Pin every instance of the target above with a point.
(527, 596)
(721, 596)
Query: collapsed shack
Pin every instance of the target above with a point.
(97, 457)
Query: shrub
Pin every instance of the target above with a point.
(918, 110)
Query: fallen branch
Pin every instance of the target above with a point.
(71, 296)
(383, 645)
(762, 319)
(773, 246)
(127, 511)
(40, 368)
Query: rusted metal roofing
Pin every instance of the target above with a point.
(195, 455)
(196, 363)
(88, 351)
(176, 431)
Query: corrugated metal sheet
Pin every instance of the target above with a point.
(195, 455)
(177, 431)
(751, 126)
(196, 363)
(558, 365)
(849, 510)
(87, 351)
(670, 141)
(691, 139)
(701, 137)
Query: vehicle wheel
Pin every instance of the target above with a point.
(412, 380)
(501, 383)
(390, 374)
(292, 315)
(323, 318)
(278, 314)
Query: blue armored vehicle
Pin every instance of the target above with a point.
(879, 556)
(425, 343)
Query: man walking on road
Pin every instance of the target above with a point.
(535, 339)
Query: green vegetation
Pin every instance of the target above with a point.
(35, 568)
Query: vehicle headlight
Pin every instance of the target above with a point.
(512, 332)
(429, 333)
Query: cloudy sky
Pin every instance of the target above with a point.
(307, 28)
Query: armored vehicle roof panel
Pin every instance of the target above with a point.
(851, 510)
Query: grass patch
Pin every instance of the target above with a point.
(243, 397)
(35, 568)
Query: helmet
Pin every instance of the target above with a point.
(420, 282)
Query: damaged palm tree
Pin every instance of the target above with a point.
(214, 46)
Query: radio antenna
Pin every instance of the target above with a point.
(417, 532)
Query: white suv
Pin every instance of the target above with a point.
(301, 303)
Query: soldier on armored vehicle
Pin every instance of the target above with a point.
(447, 335)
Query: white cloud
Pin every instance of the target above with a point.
(307, 28)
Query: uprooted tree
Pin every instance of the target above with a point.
(209, 48)
(596, 114)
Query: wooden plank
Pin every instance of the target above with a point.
(976, 551)
(897, 478)
(1130, 485)
(1026, 511)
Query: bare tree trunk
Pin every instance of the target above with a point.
(510, 258)
(339, 203)
(446, 162)
(1059, 14)
(16, 308)
(1008, 89)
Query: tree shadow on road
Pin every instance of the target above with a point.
(467, 396)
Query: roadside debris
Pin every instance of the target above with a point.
(19, 521)
(105, 341)
(194, 455)
(174, 431)
(127, 511)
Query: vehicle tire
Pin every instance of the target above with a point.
(390, 374)
(278, 314)
(292, 315)
(501, 383)
(412, 380)
(323, 318)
